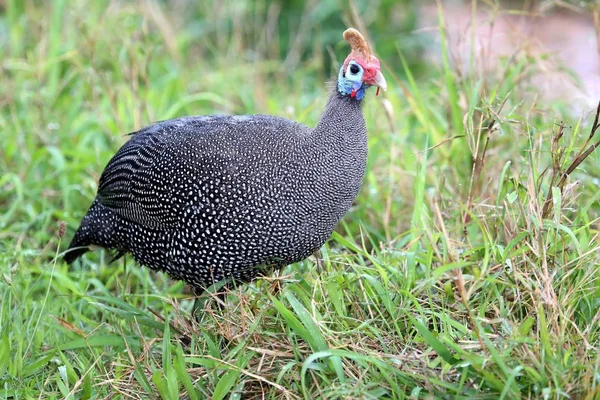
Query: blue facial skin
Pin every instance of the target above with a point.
(352, 81)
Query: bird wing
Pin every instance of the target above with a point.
(157, 175)
(175, 166)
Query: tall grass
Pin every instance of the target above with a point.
(467, 268)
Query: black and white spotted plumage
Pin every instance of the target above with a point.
(216, 197)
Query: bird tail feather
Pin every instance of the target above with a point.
(98, 227)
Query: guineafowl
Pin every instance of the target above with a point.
(216, 198)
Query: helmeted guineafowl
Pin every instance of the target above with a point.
(209, 198)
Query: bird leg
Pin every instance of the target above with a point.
(319, 259)
(198, 291)
(219, 292)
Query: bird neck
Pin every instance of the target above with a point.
(342, 119)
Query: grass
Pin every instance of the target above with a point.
(468, 267)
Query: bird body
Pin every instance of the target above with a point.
(210, 198)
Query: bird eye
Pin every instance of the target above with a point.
(354, 69)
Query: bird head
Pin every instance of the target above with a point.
(361, 69)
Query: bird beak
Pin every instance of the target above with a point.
(379, 81)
